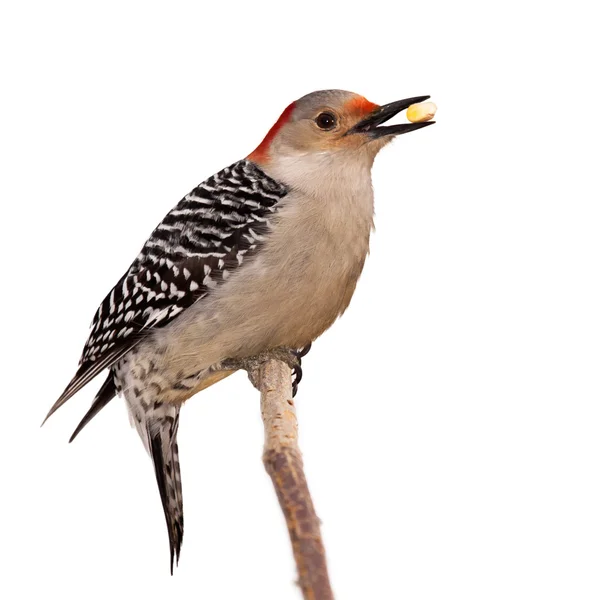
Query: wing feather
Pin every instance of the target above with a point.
(208, 234)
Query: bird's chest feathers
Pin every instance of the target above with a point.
(329, 209)
(318, 246)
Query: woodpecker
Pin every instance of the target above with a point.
(263, 256)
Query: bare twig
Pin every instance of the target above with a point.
(283, 462)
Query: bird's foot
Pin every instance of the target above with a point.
(297, 370)
(292, 357)
(285, 355)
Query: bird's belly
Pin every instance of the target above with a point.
(288, 294)
(266, 306)
(269, 310)
(292, 312)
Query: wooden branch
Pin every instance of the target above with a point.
(283, 463)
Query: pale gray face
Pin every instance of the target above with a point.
(320, 123)
(330, 121)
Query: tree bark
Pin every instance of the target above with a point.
(283, 462)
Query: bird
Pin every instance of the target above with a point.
(262, 257)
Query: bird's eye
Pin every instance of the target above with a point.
(326, 121)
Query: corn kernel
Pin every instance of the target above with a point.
(424, 111)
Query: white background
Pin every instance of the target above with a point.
(450, 422)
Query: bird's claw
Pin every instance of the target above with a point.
(297, 369)
(292, 357)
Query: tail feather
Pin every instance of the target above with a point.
(165, 456)
(105, 394)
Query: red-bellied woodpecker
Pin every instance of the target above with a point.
(263, 256)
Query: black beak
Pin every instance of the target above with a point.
(370, 124)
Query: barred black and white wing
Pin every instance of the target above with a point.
(206, 237)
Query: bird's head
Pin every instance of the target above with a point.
(330, 124)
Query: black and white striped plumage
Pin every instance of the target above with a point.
(197, 245)
(177, 322)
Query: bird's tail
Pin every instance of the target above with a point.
(165, 455)
(157, 424)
